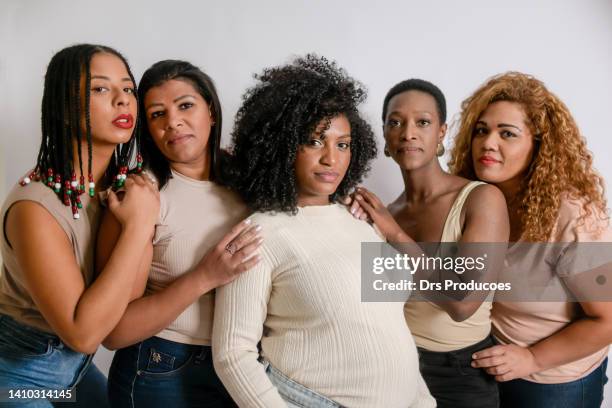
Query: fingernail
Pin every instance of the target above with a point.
(260, 240)
(473, 364)
(258, 228)
(353, 210)
(474, 355)
(248, 221)
(358, 197)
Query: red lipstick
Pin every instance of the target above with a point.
(124, 121)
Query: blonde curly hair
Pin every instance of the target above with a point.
(561, 165)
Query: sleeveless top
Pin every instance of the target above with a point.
(433, 329)
(15, 301)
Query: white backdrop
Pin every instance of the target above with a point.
(456, 45)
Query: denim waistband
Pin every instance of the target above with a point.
(464, 354)
(294, 392)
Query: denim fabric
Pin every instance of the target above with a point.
(30, 358)
(295, 394)
(454, 383)
(162, 373)
(90, 392)
(585, 392)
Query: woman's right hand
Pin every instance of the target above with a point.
(375, 210)
(139, 206)
(232, 255)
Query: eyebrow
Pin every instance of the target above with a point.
(500, 125)
(108, 79)
(399, 113)
(174, 101)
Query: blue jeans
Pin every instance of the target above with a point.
(585, 392)
(163, 373)
(31, 358)
(295, 394)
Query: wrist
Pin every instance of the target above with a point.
(202, 280)
(136, 230)
(537, 366)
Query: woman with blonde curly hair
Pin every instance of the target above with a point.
(516, 134)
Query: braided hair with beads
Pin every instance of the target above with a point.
(62, 113)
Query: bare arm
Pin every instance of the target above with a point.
(150, 314)
(486, 221)
(108, 236)
(81, 316)
(577, 340)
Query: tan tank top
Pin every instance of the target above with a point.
(433, 329)
(15, 301)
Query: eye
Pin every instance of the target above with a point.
(423, 122)
(344, 146)
(185, 105)
(156, 114)
(479, 131)
(315, 142)
(99, 89)
(506, 134)
(393, 123)
(129, 90)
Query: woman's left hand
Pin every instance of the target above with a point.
(506, 362)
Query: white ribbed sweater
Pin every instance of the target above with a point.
(303, 301)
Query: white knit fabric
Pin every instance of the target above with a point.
(303, 301)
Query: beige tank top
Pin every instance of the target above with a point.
(433, 329)
(15, 301)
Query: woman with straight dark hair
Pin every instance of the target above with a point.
(164, 337)
(53, 313)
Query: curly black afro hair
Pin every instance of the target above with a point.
(279, 114)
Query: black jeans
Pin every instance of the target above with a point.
(165, 374)
(454, 383)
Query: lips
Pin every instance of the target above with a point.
(409, 149)
(179, 138)
(488, 160)
(327, 176)
(124, 121)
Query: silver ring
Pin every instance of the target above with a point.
(231, 248)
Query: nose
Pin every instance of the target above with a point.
(329, 155)
(173, 119)
(409, 132)
(122, 98)
(489, 142)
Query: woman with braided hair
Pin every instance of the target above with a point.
(53, 314)
(299, 145)
(516, 134)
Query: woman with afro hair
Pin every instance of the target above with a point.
(300, 144)
(514, 133)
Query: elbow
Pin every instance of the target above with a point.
(460, 312)
(459, 316)
(83, 344)
(111, 344)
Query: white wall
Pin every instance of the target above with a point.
(456, 45)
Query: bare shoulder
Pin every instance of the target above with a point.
(25, 218)
(486, 197)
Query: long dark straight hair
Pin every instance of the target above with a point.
(62, 114)
(156, 75)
